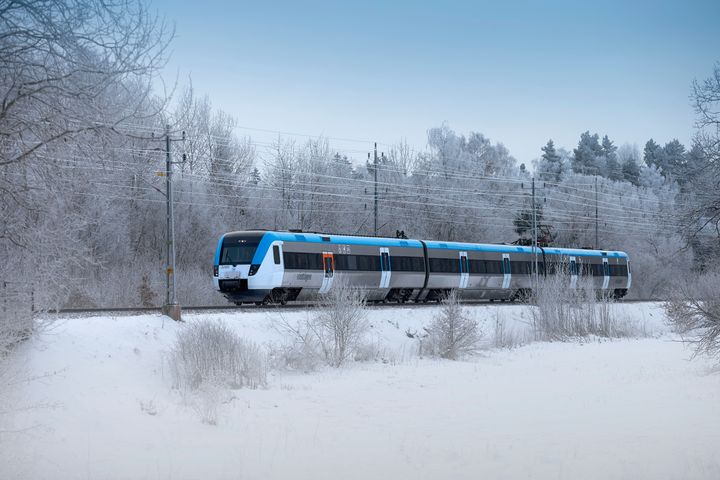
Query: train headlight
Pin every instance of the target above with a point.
(253, 269)
(215, 270)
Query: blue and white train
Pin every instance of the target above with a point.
(278, 267)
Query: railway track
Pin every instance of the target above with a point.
(289, 307)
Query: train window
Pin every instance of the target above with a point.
(237, 252)
(618, 270)
(477, 266)
(290, 260)
(341, 262)
(463, 264)
(597, 270)
(408, 264)
(506, 266)
(385, 261)
(444, 265)
(494, 267)
(520, 268)
(302, 261)
(454, 265)
(368, 263)
(276, 254)
(363, 262)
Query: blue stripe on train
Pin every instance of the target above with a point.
(482, 247)
(217, 252)
(271, 237)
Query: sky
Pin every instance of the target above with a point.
(520, 72)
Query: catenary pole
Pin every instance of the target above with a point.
(534, 246)
(171, 308)
(375, 169)
(597, 244)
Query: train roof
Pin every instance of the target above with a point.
(488, 247)
(268, 236)
(313, 237)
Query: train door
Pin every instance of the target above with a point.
(606, 274)
(328, 271)
(464, 271)
(573, 272)
(385, 268)
(507, 273)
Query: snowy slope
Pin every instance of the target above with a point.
(611, 409)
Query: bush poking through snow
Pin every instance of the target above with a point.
(560, 312)
(695, 313)
(333, 333)
(452, 333)
(209, 353)
(505, 336)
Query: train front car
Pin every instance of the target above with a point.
(277, 267)
(244, 269)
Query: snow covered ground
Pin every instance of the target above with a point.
(103, 408)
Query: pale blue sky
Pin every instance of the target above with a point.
(518, 71)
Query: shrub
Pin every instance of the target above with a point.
(504, 336)
(452, 333)
(209, 353)
(694, 311)
(333, 333)
(560, 312)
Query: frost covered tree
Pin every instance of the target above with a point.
(613, 170)
(705, 178)
(629, 157)
(588, 154)
(76, 78)
(694, 309)
(551, 165)
(453, 333)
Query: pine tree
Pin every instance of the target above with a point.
(674, 158)
(551, 164)
(613, 170)
(652, 153)
(631, 171)
(587, 153)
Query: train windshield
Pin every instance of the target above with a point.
(238, 251)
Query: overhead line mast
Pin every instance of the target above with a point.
(171, 307)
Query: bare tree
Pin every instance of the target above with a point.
(74, 75)
(705, 172)
(452, 333)
(333, 333)
(695, 313)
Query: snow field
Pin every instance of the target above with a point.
(630, 408)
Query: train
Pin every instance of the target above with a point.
(276, 267)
